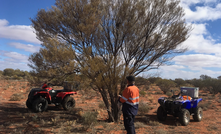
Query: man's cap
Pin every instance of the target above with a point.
(130, 78)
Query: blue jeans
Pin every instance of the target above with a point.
(129, 123)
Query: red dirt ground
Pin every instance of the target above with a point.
(16, 118)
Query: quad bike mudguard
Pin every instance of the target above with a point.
(63, 94)
(38, 91)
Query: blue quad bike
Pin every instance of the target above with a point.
(180, 107)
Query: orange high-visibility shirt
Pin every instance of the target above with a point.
(130, 95)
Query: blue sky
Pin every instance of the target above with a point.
(18, 41)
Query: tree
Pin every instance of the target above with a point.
(205, 77)
(115, 38)
(219, 77)
(8, 72)
(54, 62)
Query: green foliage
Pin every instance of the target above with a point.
(165, 85)
(54, 62)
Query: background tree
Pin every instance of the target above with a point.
(8, 72)
(180, 82)
(205, 77)
(165, 84)
(115, 38)
(1, 73)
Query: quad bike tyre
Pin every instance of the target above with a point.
(68, 103)
(28, 104)
(40, 105)
(161, 114)
(184, 117)
(198, 114)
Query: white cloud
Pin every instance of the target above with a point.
(28, 47)
(13, 65)
(198, 60)
(199, 44)
(15, 57)
(209, 10)
(193, 2)
(186, 74)
(17, 32)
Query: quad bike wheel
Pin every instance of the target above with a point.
(198, 114)
(68, 103)
(40, 105)
(184, 117)
(28, 104)
(161, 114)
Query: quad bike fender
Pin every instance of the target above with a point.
(63, 94)
(43, 93)
(187, 104)
(195, 102)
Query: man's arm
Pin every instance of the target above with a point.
(125, 96)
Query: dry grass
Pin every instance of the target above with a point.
(139, 125)
(143, 108)
(160, 131)
(16, 97)
(89, 118)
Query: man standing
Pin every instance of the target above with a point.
(130, 100)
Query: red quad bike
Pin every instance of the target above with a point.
(38, 98)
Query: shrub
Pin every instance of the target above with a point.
(169, 94)
(16, 97)
(143, 108)
(142, 93)
(55, 120)
(89, 118)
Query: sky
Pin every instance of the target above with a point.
(18, 40)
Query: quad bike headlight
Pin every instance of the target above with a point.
(35, 93)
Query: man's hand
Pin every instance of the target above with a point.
(119, 96)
